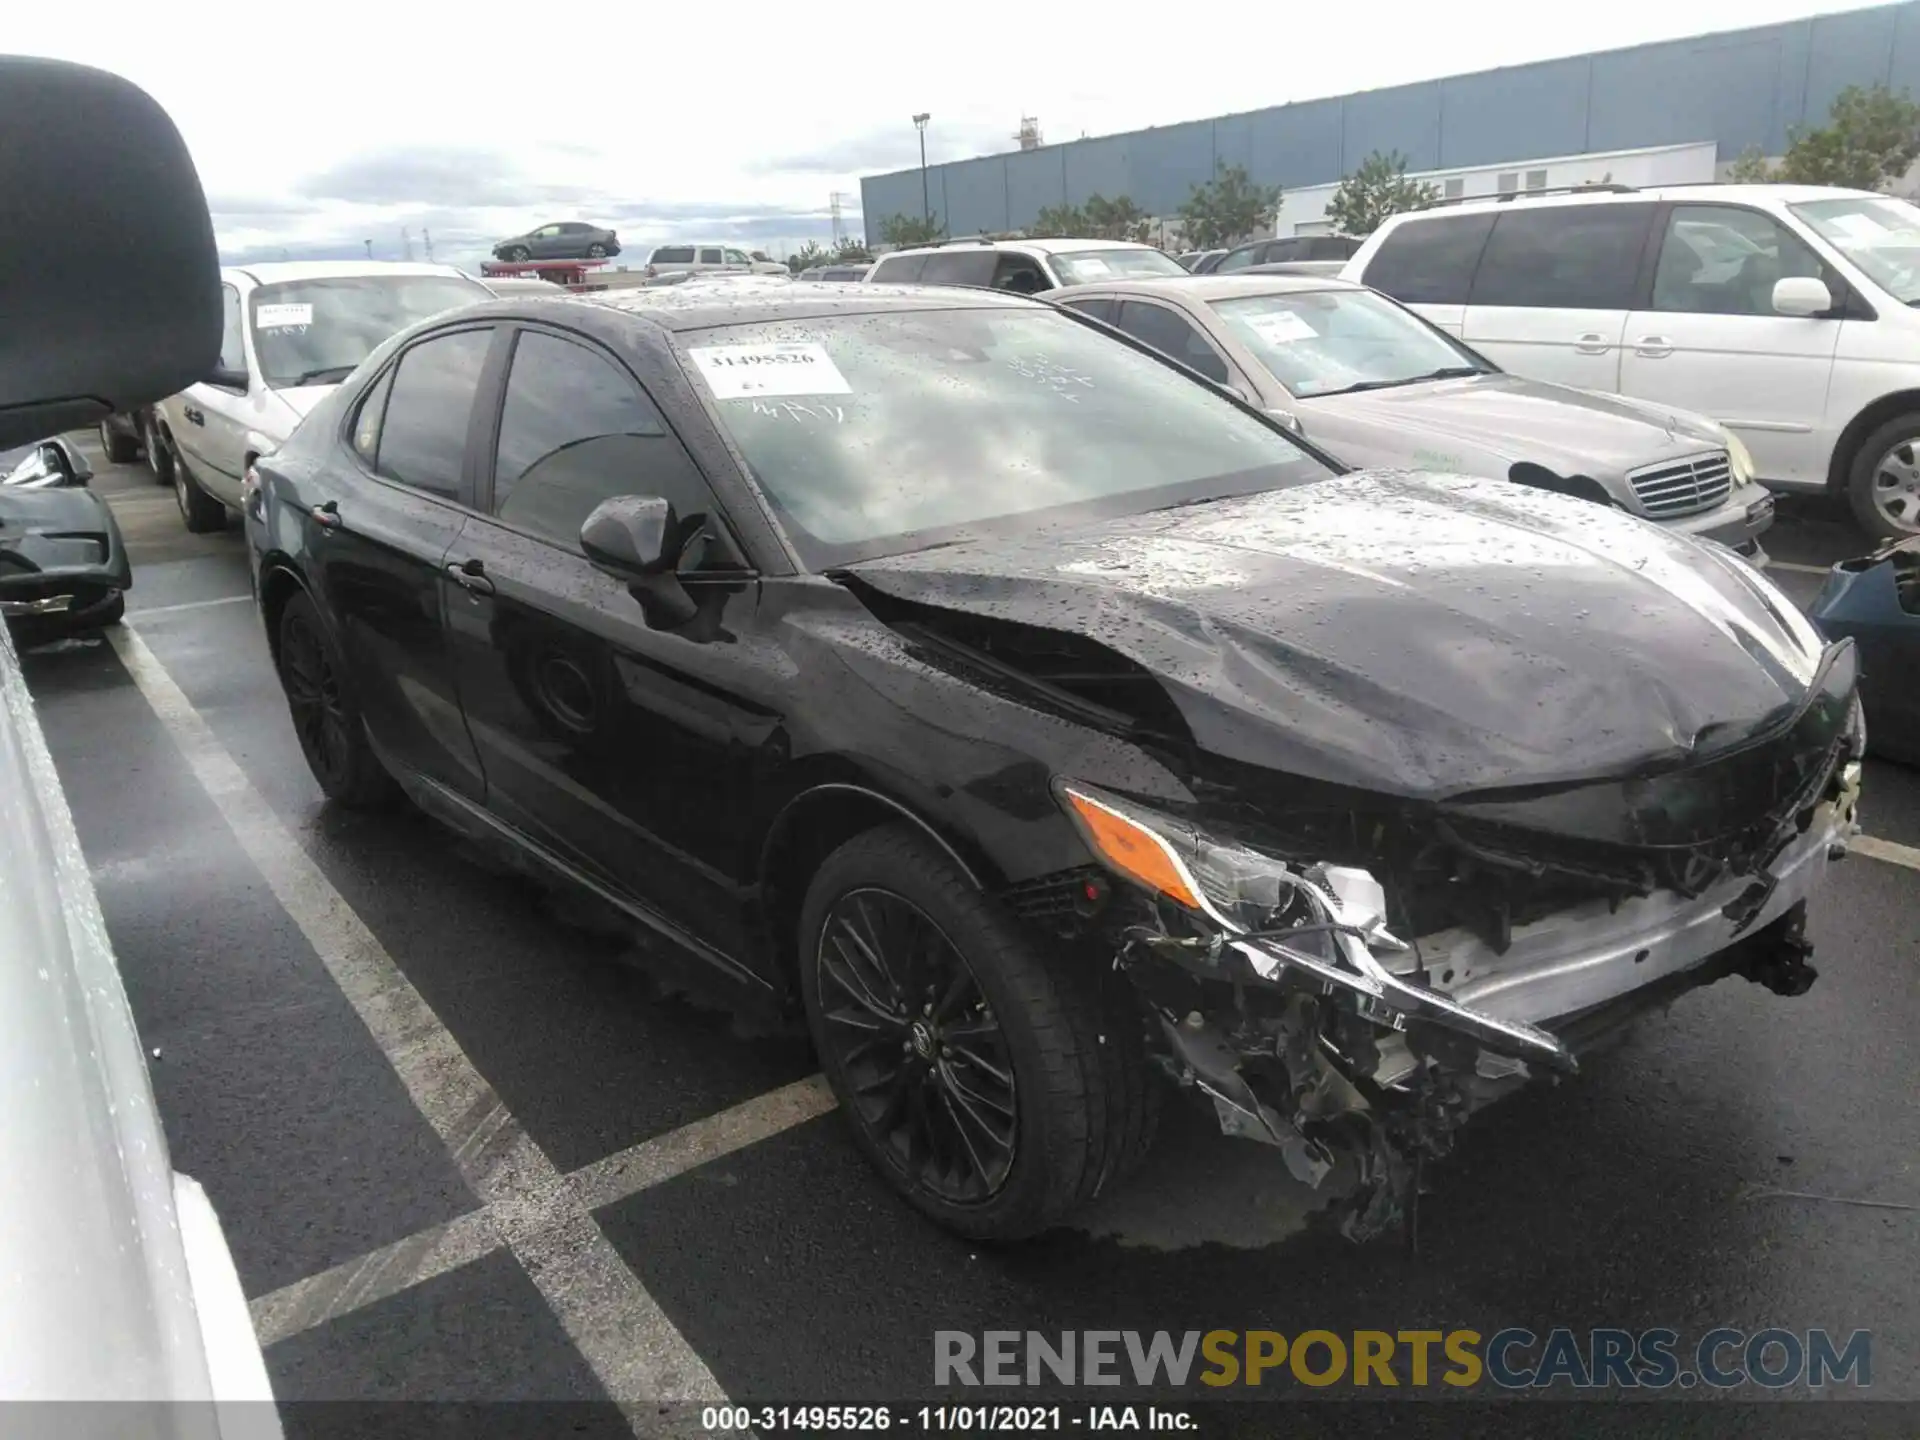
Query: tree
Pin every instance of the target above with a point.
(807, 255)
(1227, 208)
(1118, 219)
(900, 231)
(1379, 188)
(1871, 138)
(1058, 221)
(852, 252)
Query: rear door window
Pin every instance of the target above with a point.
(423, 434)
(965, 267)
(898, 269)
(1564, 257)
(1099, 307)
(710, 256)
(673, 255)
(1430, 262)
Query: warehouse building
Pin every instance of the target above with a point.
(1661, 110)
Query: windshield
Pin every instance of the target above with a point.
(1321, 342)
(881, 433)
(1083, 267)
(1879, 234)
(315, 332)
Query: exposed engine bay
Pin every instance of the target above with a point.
(1353, 984)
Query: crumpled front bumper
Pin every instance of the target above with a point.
(1594, 954)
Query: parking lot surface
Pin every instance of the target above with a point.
(463, 1151)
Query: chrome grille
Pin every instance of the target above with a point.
(1683, 487)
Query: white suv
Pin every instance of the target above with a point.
(1025, 266)
(1783, 311)
(293, 331)
(704, 255)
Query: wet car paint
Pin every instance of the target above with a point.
(1875, 601)
(792, 707)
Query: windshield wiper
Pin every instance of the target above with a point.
(1445, 372)
(325, 375)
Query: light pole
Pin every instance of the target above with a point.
(926, 208)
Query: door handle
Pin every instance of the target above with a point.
(327, 515)
(1653, 347)
(1592, 344)
(194, 417)
(471, 575)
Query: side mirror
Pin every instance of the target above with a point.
(65, 460)
(1288, 419)
(632, 537)
(228, 379)
(124, 308)
(1801, 295)
(638, 539)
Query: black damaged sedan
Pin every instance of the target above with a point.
(1048, 727)
(63, 566)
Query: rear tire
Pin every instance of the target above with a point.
(159, 455)
(1077, 1110)
(121, 449)
(1883, 485)
(596, 251)
(202, 514)
(326, 713)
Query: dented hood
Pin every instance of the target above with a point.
(1411, 634)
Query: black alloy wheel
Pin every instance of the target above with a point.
(993, 1080)
(596, 251)
(924, 1059)
(517, 253)
(326, 721)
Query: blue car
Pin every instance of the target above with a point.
(1875, 600)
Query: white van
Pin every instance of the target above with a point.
(1783, 311)
(710, 255)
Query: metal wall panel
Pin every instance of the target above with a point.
(1035, 180)
(1737, 89)
(1405, 118)
(1296, 145)
(1480, 115)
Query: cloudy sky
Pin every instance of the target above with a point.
(316, 128)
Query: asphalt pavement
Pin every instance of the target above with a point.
(465, 1150)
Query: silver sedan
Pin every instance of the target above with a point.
(1373, 383)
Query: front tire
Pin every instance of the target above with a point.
(518, 253)
(1883, 487)
(121, 449)
(159, 454)
(326, 715)
(978, 1073)
(202, 514)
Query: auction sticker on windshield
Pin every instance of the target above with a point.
(739, 372)
(1282, 327)
(282, 317)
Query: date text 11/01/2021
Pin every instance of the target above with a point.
(943, 1419)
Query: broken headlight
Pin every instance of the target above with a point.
(1322, 920)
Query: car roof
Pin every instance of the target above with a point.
(687, 307)
(1207, 287)
(1703, 193)
(276, 271)
(1051, 246)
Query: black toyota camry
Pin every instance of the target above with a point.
(1045, 725)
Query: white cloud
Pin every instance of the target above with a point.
(329, 126)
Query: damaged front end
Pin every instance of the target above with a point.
(1350, 979)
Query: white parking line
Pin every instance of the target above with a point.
(441, 1248)
(1891, 851)
(632, 1347)
(153, 610)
